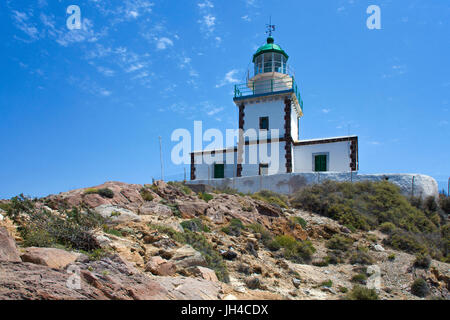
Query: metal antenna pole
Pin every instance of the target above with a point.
(161, 158)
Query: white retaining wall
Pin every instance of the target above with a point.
(288, 183)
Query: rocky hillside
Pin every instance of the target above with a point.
(166, 241)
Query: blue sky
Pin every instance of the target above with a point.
(80, 107)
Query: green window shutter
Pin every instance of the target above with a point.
(320, 162)
(219, 171)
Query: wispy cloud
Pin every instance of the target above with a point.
(163, 43)
(208, 19)
(229, 78)
(23, 23)
(326, 110)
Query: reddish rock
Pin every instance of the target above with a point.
(204, 273)
(8, 248)
(50, 257)
(191, 209)
(160, 267)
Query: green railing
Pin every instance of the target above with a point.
(263, 87)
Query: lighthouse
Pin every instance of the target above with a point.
(270, 106)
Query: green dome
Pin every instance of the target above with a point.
(270, 46)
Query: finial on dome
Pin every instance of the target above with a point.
(270, 39)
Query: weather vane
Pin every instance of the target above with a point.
(270, 27)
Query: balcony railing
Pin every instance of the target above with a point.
(263, 87)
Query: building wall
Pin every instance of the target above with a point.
(294, 125)
(278, 164)
(273, 109)
(338, 156)
(204, 164)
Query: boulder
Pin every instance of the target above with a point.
(50, 257)
(378, 247)
(117, 214)
(266, 209)
(153, 208)
(191, 209)
(204, 273)
(187, 256)
(108, 278)
(160, 267)
(229, 255)
(8, 248)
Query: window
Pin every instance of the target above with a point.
(320, 162)
(264, 123)
(263, 169)
(219, 170)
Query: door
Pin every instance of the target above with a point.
(320, 162)
(219, 170)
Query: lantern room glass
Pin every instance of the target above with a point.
(270, 62)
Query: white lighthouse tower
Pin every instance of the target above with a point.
(270, 106)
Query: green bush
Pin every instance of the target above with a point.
(234, 227)
(300, 221)
(361, 257)
(106, 193)
(146, 194)
(444, 203)
(328, 283)
(360, 278)
(391, 257)
(362, 293)
(91, 191)
(271, 198)
(387, 227)
(75, 230)
(205, 196)
(296, 251)
(338, 242)
(422, 261)
(420, 288)
(19, 204)
(195, 225)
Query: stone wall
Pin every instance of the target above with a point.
(288, 183)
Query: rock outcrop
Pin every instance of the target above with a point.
(8, 248)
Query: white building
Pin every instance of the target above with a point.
(270, 107)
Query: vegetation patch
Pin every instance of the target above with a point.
(198, 241)
(146, 194)
(299, 220)
(420, 288)
(296, 251)
(234, 227)
(272, 198)
(362, 293)
(338, 242)
(413, 225)
(205, 196)
(195, 225)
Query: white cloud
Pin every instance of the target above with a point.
(246, 18)
(228, 79)
(214, 111)
(206, 4)
(163, 43)
(106, 71)
(21, 20)
(326, 110)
